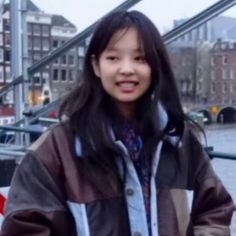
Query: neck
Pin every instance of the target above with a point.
(127, 110)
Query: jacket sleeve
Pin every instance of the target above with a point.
(35, 206)
(212, 207)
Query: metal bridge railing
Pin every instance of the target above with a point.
(221, 155)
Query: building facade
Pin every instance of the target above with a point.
(204, 62)
(64, 70)
(223, 73)
(45, 32)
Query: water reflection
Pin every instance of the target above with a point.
(222, 137)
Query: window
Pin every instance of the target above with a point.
(81, 51)
(29, 28)
(56, 62)
(37, 43)
(63, 75)
(224, 60)
(8, 97)
(45, 78)
(36, 29)
(6, 24)
(87, 41)
(30, 43)
(54, 43)
(55, 74)
(45, 43)
(224, 88)
(8, 74)
(36, 78)
(45, 30)
(45, 75)
(7, 55)
(7, 39)
(213, 60)
(63, 60)
(72, 75)
(36, 57)
(71, 60)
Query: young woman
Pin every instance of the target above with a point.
(121, 163)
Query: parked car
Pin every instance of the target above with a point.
(198, 117)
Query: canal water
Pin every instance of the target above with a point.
(223, 139)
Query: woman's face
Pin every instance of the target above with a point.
(123, 70)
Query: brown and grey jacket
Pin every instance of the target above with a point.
(52, 194)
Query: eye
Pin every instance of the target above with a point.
(141, 59)
(112, 58)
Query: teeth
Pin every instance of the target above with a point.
(127, 84)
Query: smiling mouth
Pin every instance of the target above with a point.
(127, 84)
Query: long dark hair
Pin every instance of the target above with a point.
(89, 108)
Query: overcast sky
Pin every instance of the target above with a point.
(84, 12)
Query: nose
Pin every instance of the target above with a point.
(127, 66)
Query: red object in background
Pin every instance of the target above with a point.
(2, 202)
(7, 111)
(52, 114)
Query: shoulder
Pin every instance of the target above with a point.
(191, 135)
(55, 135)
(191, 146)
(54, 147)
(199, 164)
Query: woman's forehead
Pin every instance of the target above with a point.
(119, 34)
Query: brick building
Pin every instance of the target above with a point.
(223, 73)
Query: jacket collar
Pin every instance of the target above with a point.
(163, 121)
(169, 136)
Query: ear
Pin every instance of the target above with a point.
(95, 65)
